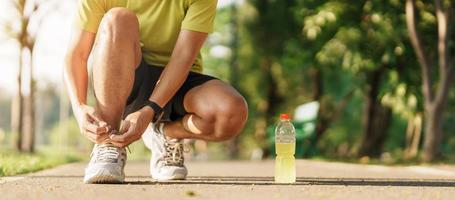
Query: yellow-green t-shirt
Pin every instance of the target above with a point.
(160, 23)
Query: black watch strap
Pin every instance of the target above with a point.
(157, 109)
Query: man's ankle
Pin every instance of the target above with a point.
(165, 130)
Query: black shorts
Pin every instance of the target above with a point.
(145, 80)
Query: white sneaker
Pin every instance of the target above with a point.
(106, 165)
(167, 159)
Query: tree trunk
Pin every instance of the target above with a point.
(29, 114)
(375, 130)
(376, 118)
(233, 144)
(274, 98)
(317, 83)
(318, 90)
(17, 107)
(266, 110)
(433, 134)
(28, 125)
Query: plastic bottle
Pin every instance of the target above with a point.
(285, 150)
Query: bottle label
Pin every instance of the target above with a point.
(284, 139)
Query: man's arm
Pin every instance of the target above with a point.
(186, 49)
(76, 79)
(174, 74)
(75, 72)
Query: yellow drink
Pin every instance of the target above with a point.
(285, 163)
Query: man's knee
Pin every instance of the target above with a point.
(119, 21)
(231, 117)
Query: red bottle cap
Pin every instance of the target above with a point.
(284, 117)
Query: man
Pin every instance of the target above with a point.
(146, 69)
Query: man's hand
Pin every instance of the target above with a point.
(133, 127)
(90, 125)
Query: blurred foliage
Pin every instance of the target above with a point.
(282, 44)
(66, 135)
(351, 56)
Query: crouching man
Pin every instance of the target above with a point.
(147, 80)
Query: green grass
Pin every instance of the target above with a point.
(13, 163)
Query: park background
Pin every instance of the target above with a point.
(381, 72)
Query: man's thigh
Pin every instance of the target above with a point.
(209, 96)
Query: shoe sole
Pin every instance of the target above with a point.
(174, 177)
(102, 176)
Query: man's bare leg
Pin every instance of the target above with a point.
(218, 112)
(116, 56)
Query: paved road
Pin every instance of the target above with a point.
(238, 180)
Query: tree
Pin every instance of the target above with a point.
(364, 40)
(18, 99)
(23, 109)
(270, 29)
(435, 90)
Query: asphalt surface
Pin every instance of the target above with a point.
(235, 180)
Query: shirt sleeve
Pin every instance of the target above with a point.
(200, 16)
(89, 15)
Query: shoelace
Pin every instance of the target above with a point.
(174, 149)
(174, 153)
(107, 154)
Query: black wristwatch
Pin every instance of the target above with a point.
(156, 108)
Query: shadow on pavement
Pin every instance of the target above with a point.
(232, 180)
(221, 180)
